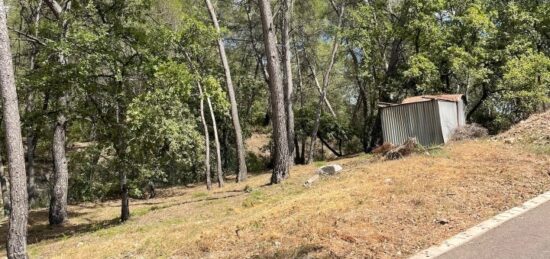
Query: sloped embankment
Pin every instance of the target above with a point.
(373, 209)
(533, 130)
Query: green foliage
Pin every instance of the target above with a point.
(133, 67)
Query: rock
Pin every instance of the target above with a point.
(330, 169)
(442, 221)
(388, 181)
(311, 180)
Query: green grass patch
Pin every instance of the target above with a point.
(140, 211)
(320, 163)
(439, 152)
(539, 149)
(256, 197)
(199, 195)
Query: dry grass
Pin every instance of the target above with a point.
(373, 209)
(258, 144)
(534, 130)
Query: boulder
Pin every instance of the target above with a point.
(330, 169)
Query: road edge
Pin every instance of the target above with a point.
(481, 228)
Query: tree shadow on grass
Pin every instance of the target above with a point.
(39, 230)
(174, 204)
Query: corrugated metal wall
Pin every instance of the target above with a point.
(461, 114)
(420, 120)
(448, 115)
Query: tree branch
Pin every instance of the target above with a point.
(29, 37)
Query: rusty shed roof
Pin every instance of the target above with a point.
(424, 98)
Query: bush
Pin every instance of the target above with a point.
(469, 131)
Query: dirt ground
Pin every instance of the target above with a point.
(373, 209)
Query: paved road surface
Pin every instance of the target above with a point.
(525, 236)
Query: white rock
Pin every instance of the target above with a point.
(330, 169)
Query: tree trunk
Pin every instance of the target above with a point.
(5, 189)
(32, 141)
(207, 141)
(58, 201)
(217, 141)
(281, 155)
(316, 125)
(326, 79)
(288, 84)
(17, 225)
(125, 200)
(32, 135)
(242, 173)
(324, 142)
(300, 154)
(320, 90)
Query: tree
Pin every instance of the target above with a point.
(288, 83)
(17, 229)
(281, 157)
(241, 153)
(206, 140)
(326, 81)
(58, 201)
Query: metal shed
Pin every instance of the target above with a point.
(430, 118)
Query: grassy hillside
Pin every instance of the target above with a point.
(374, 208)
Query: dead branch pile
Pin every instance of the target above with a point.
(410, 146)
(383, 149)
(469, 131)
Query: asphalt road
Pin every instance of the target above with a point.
(525, 236)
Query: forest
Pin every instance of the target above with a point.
(112, 99)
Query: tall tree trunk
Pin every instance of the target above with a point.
(32, 136)
(281, 155)
(17, 225)
(207, 141)
(288, 84)
(326, 80)
(242, 173)
(120, 148)
(300, 154)
(217, 141)
(58, 200)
